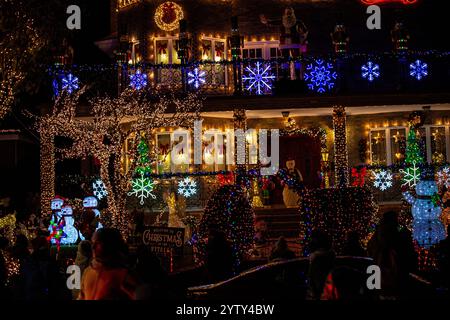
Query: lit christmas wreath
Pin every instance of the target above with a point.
(168, 15)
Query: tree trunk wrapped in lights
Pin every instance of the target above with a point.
(19, 43)
(114, 121)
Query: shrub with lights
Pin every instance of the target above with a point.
(229, 211)
(337, 211)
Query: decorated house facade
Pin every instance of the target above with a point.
(344, 98)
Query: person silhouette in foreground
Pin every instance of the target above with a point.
(321, 261)
(443, 257)
(393, 251)
(353, 246)
(219, 256)
(281, 250)
(107, 277)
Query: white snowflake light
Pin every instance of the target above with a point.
(259, 78)
(99, 189)
(443, 177)
(196, 78)
(418, 70)
(320, 76)
(370, 71)
(187, 187)
(383, 179)
(411, 175)
(142, 188)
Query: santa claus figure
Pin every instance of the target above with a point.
(294, 34)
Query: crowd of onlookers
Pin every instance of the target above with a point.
(110, 271)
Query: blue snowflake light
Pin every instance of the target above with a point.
(418, 70)
(138, 80)
(196, 77)
(320, 76)
(70, 83)
(258, 78)
(370, 71)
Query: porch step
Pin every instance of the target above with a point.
(280, 221)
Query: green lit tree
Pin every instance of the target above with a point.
(413, 153)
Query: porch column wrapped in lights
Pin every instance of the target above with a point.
(240, 122)
(340, 147)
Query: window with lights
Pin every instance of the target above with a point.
(388, 144)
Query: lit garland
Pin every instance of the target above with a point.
(337, 212)
(315, 133)
(229, 211)
(340, 146)
(168, 16)
(19, 42)
(114, 121)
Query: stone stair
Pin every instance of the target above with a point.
(280, 222)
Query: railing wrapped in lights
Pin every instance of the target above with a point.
(326, 74)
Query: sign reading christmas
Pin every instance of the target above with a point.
(164, 241)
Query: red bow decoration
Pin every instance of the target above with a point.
(164, 148)
(206, 49)
(219, 50)
(225, 179)
(358, 177)
(162, 48)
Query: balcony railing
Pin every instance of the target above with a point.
(318, 75)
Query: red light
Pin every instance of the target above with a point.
(370, 2)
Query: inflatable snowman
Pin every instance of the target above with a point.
(428, 230)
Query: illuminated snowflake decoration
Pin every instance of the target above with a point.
(142, 188)
(70, 83)
(99, 189)
(443, 177)
(321, 76)
(411, 176)
(187, 187)
(258, 78)
(370, 71)
(138, 80)
(418, 70)
(196, 78)
(383, 179)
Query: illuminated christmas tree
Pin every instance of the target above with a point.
(413, 153)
